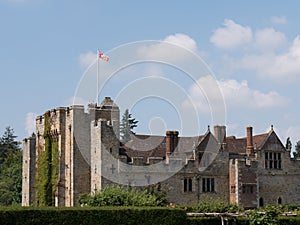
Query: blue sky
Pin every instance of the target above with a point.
(252, 47)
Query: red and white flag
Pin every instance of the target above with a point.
(102, 56)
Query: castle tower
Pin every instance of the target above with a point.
(104, 142)
(62, 148)
(28, 170)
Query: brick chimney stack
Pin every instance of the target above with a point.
(175, 133)
(250, 147)
(171, 142)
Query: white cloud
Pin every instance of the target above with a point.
(294, 133)
(282, 67)
(237, 95)
(279, 20)
(86, 59)
(268, 39)
(268, 54)
(232, 35)
(182, 40)
(30, 123)
(164, 50)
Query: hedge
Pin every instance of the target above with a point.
(239, 221)
(103, 215)
(115, 215)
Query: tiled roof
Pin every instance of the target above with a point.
(238, 145)
(155, 146)
(258, 140)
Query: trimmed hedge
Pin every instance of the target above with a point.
(239, 221)
(103, 215)
(115, 215)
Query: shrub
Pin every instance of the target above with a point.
(210, 205)
(120, 196)
(269, 215)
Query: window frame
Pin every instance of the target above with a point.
(208, 185)
(273, 160)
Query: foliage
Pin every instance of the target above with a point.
(122, 196)
(210, 205)
(10, 169)
(127, 125)
(47, 173)
(8, 144)
(297, 150)
(288, 144)
(97, 216)
(269, 216)
(216, 221)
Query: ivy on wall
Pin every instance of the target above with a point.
(47, 167)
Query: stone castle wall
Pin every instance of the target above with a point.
(88, 154)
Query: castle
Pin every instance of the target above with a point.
(75, 152)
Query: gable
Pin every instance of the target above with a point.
(273, 143)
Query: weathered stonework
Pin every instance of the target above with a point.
(251, 171)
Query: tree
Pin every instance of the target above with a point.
(10, 169)
(297, 150)
(127, 125)
(8, 143)
(288, 144)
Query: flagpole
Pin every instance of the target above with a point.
(97, 101)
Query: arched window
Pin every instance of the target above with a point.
(279, 201)
(261, 202)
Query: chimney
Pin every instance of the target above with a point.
(220, 134)
(175, 132)
(250, 147)
(171, 142)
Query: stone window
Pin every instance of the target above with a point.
(188, 185)
(279, 201)
(208, 184)
(247, 188)
(232, 189)
(273, 160)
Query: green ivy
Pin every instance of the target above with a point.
(54, 165)
(47, 171)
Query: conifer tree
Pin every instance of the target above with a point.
(127, 125)
(10, 169)
(288, 144)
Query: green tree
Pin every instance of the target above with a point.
(297, 150)
(288, 144)
(10, 169)
(127, 125)
(8, 143)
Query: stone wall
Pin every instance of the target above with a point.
(28, 171)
